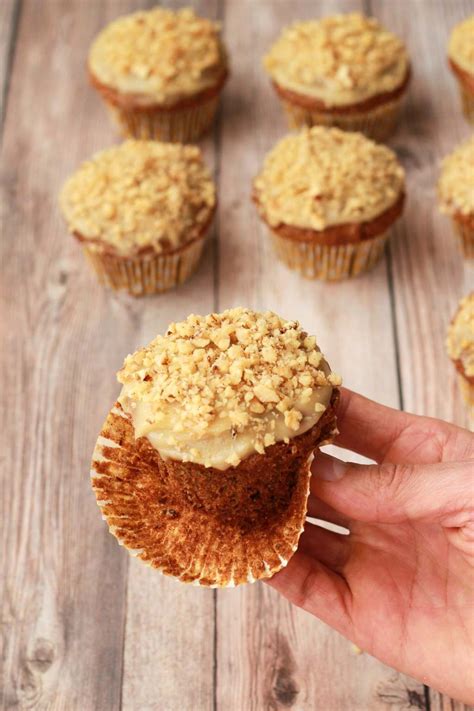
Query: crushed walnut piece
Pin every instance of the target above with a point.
(159, 53)
(461, 45)
(343, 58)
(140, 194)
(325, 176)
(456, 183)
(460, 340)
(215, 368)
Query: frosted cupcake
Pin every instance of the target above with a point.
(456, 194)
(141, 212)
(461, 61)
(345, 71)
(202, 466)
(329, 198)
(160, 73)
(460, 346)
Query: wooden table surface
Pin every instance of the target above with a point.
(84, 627)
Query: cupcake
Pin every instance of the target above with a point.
(329, 198)
(160, 73)
(345, 71)
(202, 466)
(141, 211)
(461, 61)
(456, 194)
(460, 346)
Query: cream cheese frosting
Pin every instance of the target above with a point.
(456, 182)
(339, 60)
(460, 340)
(218, 388)
(140, 194)
(159, 56)
(461, 45)
(324, 176)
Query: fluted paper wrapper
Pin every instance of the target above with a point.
(329, 263)
(467, 100)
(378, 123)
(465, 234)
(180, 125)
(147, 274)
(205, 526)
(467, 391)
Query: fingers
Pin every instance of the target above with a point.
(384, 434)
(309, 584)
(320, 509)
(329, 548)
(392, 493)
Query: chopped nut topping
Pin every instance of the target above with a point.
(324, 176)
(235, 385)
(460, 340)
(461, 45)
(160, 54)
(341, 59)
(140, 194)
(456, 183)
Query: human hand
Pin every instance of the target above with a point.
(400, 586)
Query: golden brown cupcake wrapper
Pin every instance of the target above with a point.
(205, 526)
(329, 262)
(182, 125)
(465, 234)
(467, 100)
(467, 391)
(145, 274)
(378, 123)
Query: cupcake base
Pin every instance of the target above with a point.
(329, 262)
(378, 123)
(466, 90)
(205, 526)
(183, 125)
(145, 274)
(467, 390)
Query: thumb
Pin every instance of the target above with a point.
(391, 493)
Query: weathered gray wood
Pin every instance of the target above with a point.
(269, 654)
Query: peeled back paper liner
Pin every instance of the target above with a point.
(205, 526)
(378, 123)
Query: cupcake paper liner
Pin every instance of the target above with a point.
(465, 234)
(330, 263)
(146, 274)
(467, 100)
(378, 123)
(467, 391)
(181, 125)
(204, 526)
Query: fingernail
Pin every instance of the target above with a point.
(329, 468)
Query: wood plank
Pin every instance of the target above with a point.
(270, 655)
(9, 10)
(65, 577)
(429, 273)
(169, 638)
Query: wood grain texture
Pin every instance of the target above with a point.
(9, 10)
(82, 628)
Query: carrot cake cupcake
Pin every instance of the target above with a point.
(202, 466)
(141, 211)
(460, 345)
(461, 61)
(160, 73)
(329, 198)
(456, 194)
(345, 70)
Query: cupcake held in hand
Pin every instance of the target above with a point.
(456, 194)
(160, 73)
(345, 71)
(461, 61)
(202, 466)
(460, 345)
(329, 198)
(141, 211)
